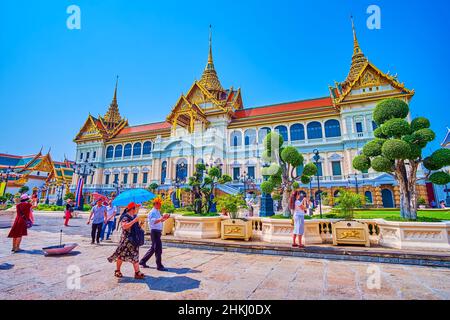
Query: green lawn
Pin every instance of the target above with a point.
(389, 215)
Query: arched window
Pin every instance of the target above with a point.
(137, 149)
(368, 196)
(163, 172)
(181, 170)
(374, 125)
(314, 130)
(147, 148)
(332, 128)
(236, 138)
(297, 132)
(109, 152)
(127, 150)
(282, 130)
(250, 137)
(118, 151)
(262, 133)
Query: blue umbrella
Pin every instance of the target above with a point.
(134, 195)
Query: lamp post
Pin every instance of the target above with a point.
(84, 170)
(316, 159)
(266, 206)
(447, 199)
(179, 180)
(356, 182)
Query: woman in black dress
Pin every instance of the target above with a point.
(127, 251)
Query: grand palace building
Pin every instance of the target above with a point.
(211, 124)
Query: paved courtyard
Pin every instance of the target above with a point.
(198, 274)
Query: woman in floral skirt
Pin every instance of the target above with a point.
(127, 251)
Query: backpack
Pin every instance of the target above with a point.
(135, 234)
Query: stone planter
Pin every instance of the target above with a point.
(168, 226)
(280, 231)
(350, 232)
(236, 229)
(197, 227)
(430, 236)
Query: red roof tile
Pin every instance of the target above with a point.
(284, 107)
(145, 127)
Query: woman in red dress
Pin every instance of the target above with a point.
(19, 227)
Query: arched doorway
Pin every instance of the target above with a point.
(388, 199)
(163, 172)
(181, 170)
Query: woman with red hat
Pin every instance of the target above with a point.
(127, 250)
(21, 223)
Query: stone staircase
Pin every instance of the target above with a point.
(228, 189)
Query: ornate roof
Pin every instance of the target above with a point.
(209, 78)
(363, 74)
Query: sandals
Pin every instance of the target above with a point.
(118, 274)
(294, 245)
(139, 275)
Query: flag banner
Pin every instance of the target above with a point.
(79, 191)
(2, 188)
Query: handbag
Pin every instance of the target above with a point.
(136, 234)
(28, 222)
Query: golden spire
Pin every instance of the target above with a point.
(112, 117)
(209, 77)
(358, 58)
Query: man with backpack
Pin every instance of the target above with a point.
(155, 223)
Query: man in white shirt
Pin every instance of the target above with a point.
(111, 212)
(155, 223)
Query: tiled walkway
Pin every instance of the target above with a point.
(201, 274)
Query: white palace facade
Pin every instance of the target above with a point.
(210, 124)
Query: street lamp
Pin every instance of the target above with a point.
(316, 159)
(356, 181)
(266, 205)
(179, 180)
(84, 170)
(246, 180)
(118, 186)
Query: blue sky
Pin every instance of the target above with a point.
(276, 51)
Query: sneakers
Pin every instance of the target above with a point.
(143, 265)
(161, 268)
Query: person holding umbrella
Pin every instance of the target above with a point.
(128, 249)
(155, 222)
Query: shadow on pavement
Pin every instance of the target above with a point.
(35, 251)
(167, 284)
(72, 253)
(6, 266)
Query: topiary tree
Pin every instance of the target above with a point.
(397, 150)
(69, 195)
(282, 171)
(203, 185)
(24, 189)
(153, 186)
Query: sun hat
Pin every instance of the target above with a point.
(24, 197)
(132, 206)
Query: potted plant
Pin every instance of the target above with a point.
(349, 231)
(421, 202)
(235, 227)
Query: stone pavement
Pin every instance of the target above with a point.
(200, 274)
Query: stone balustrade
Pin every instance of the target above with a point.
(399, 235)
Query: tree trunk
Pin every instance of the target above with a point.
(406, 178)
(285, 203)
